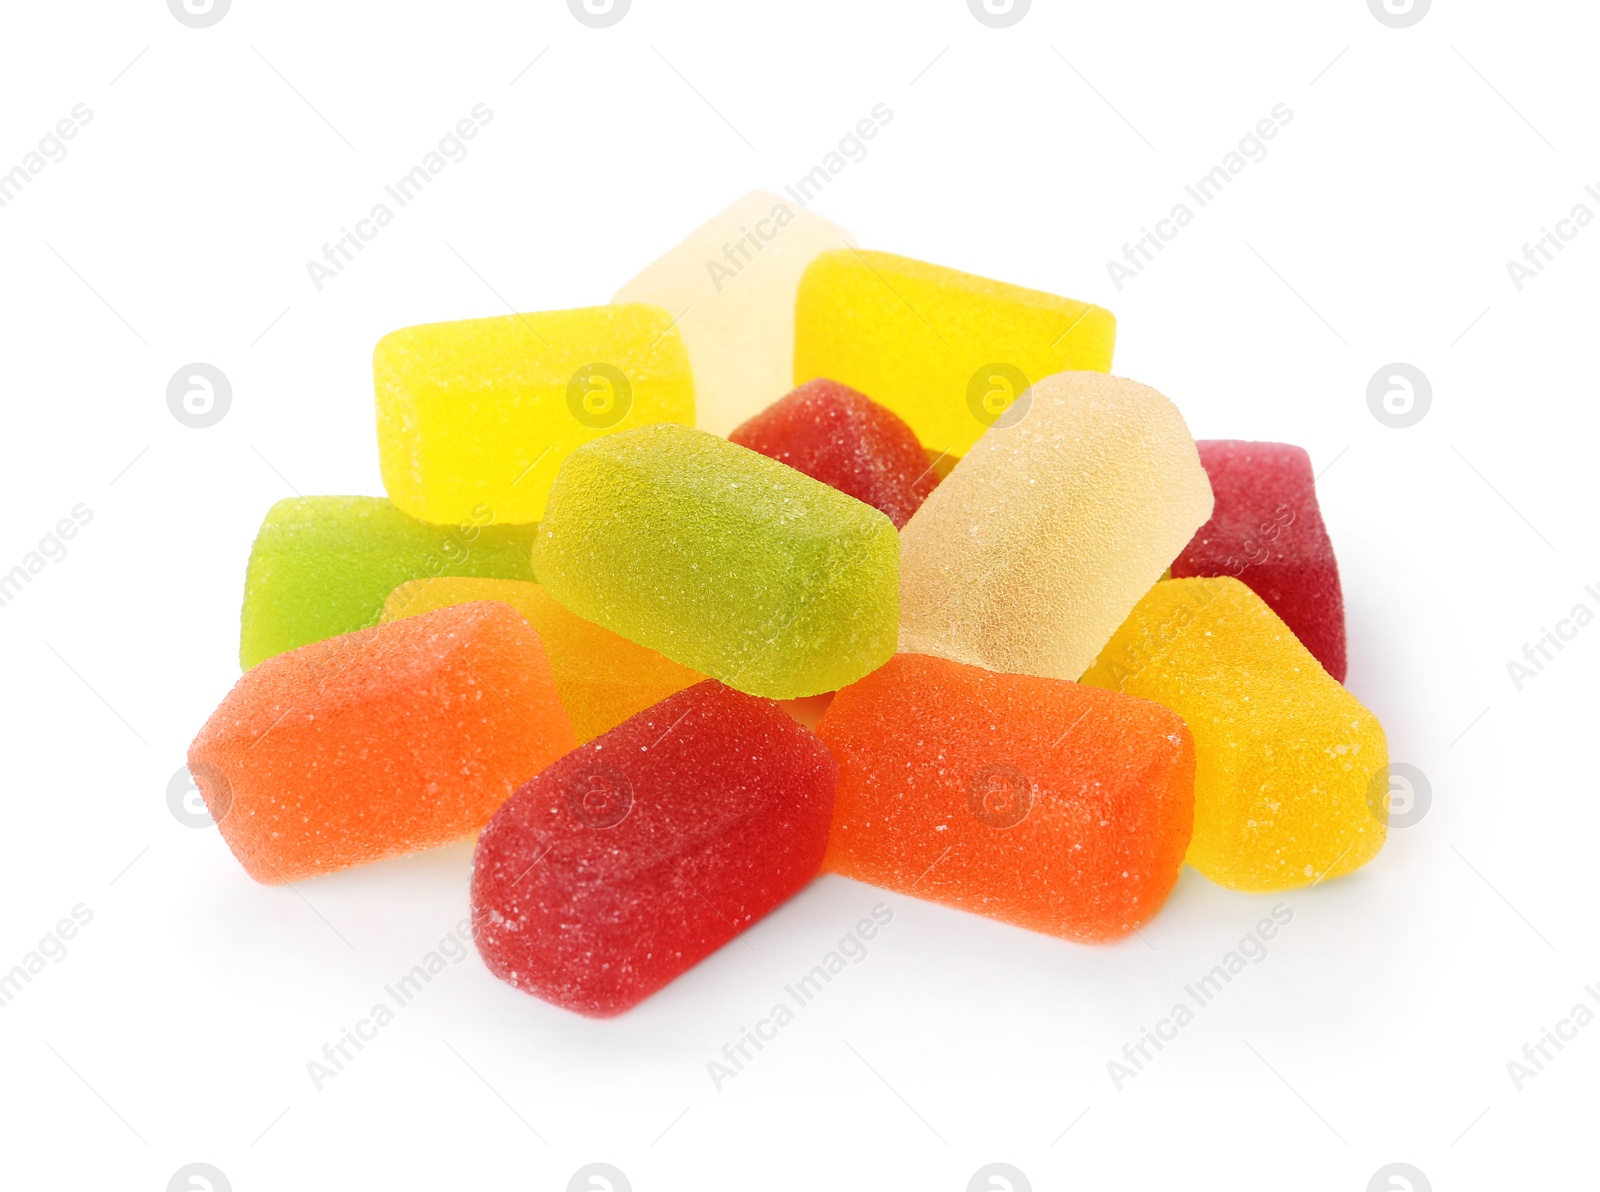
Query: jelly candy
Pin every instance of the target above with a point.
(478, 414)
(1038, 801)
(322, 566)
(1286, 757)
(731, 286)
(602, 679)
(947, 351)
(1040, 542)
(723, 560)
(844, 439)
(379, 742)
(1267, 531)
(644, 851)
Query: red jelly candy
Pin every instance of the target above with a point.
(1267, 531)
(846, 440)
(648, 848)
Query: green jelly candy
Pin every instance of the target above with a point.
(722, 559)
(322, 566)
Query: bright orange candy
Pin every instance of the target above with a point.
(1036, 801)
(379, 742)
(602, 678)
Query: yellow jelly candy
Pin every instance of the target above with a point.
(1287, 759)
(475, 416)
(602, 679)
(731, 286)
(947, 351)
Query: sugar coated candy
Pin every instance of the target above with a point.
(322, 566)
(1042, 539)
(845, 439)
(379, 742)
(731, 285)
(644, 851)
(1041, 802)
(1267, 531)
(948, 352)
(478, 414)
(723, 560)
(1287, 759)
(602, 679)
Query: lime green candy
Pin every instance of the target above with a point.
(722, 559)
(322, 566)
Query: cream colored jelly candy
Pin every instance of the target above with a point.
(1286, 758)
(478, 414)
(947, 351)
(1051, 527)
(602, 679)
(723, 560)
(731, 286)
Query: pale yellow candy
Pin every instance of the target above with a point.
(947, 351)
(475, 416)
(1291, 771)
(731, 286)
(1042, 539)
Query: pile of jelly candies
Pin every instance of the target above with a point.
(960, 615)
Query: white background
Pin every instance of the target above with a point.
(1418, 161)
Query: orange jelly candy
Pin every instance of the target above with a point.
(602, 677)
(1035, 801)
(379, 742)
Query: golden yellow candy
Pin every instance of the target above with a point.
(1287, 760)
(947, 351)
(475, 416)
(602, 679)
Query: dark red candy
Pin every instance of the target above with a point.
(645, 850)
(845, 439)
(1267, 531)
